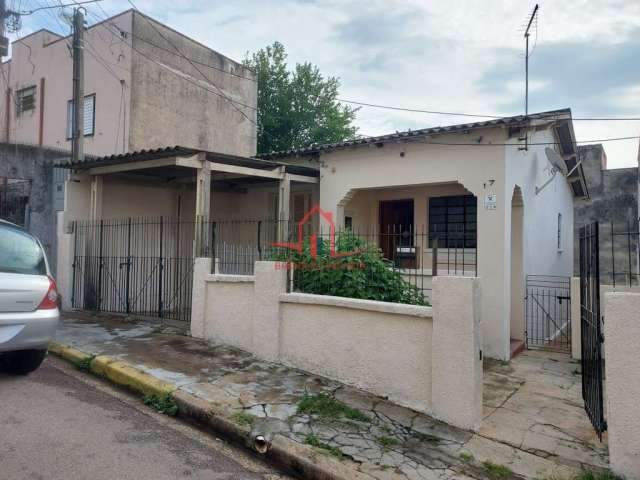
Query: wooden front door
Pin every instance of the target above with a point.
(396, 226)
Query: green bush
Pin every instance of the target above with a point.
(363, 274)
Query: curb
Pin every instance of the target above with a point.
(285, 453)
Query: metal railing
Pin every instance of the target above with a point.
(548, 312)
(620, 253)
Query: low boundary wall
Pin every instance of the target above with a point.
(424, 358)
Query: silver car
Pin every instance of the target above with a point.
(29, 312)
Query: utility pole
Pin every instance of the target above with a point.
(4, 41)
(77, 133)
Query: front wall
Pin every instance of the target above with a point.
(383, 353)
(479, 169)
(229, 313)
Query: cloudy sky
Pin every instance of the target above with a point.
(453, 55)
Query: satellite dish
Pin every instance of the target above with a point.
(556, 160)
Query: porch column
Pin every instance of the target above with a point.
(203, 205)
(284, 196)
(95, 206)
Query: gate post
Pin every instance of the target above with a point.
(576, 329)
(622, 365)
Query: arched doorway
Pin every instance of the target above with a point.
(517, 324)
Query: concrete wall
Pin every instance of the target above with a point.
(613, 197)
(33, 163)
(199, 107)
(622, 365)
(394, 169)
(146, 97)
(404, 352)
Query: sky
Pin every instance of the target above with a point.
(453, 55)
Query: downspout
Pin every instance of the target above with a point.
(41, 128)
(8, 110)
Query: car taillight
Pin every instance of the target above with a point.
(50, 300)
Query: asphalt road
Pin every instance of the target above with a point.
(59, 423)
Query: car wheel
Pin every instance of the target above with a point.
(23, 361)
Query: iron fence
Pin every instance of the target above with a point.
(14, 200)
(141, 266)
(620, 253)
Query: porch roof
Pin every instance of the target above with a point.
(148, 159)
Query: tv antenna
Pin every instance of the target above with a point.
(526, 60)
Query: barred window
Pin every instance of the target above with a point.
(453, 221)
(25, 100)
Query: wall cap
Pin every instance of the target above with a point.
(218, 277)
(358, 304)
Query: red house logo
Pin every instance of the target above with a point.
(298, 245)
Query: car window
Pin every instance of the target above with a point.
(20, 252)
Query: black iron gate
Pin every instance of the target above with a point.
(548, 312)
(591, 327)
(137, 266)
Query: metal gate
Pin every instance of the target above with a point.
(137, 266)
(548, 312)
(591, 327)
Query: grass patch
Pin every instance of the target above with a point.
(425, 437)
(243, 418)
(387, 442)
(326, 407)
(315, 442)
(597, 476)
(466, 456)
(497, 471)
(85, 364)
(163, 404)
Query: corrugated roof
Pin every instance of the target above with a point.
(498, 122)
(178, 151)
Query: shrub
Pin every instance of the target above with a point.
(364, 274)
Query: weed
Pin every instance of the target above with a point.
(425, 437)
(85, 363)
(466, 456)
(387, 442)
(607, 475)
(315, 442)
(243, 418)
(163, 404)
(324, 406)
(504, 363)
(497, 471)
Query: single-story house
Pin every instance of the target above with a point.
(499, 192)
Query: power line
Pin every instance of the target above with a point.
(29, 12)
(476, 115)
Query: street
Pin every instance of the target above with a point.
(59, 423)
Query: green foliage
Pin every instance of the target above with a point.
(163, 404)
(466, 456)
(607, 475)
(85, 363)
(243, 418)
(387, 442)
(326, 407)
(497, 471)
(364, 274)
(296, 108)
(315, 442)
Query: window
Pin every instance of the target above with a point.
(20, 253)
(559, 232)
(348, 222)
(89, 116)
(452, 220)
(25, 100)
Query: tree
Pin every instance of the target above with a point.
(297, 108)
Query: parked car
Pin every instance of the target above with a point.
(29, 312)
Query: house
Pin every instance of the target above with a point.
(614, 197)
(146, 86)
(498, 191)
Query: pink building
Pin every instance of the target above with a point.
(146, 86)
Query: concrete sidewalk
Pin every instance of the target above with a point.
(337, 425)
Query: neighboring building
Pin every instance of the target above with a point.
(613, 202)
(140, 93)
(474, 186)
